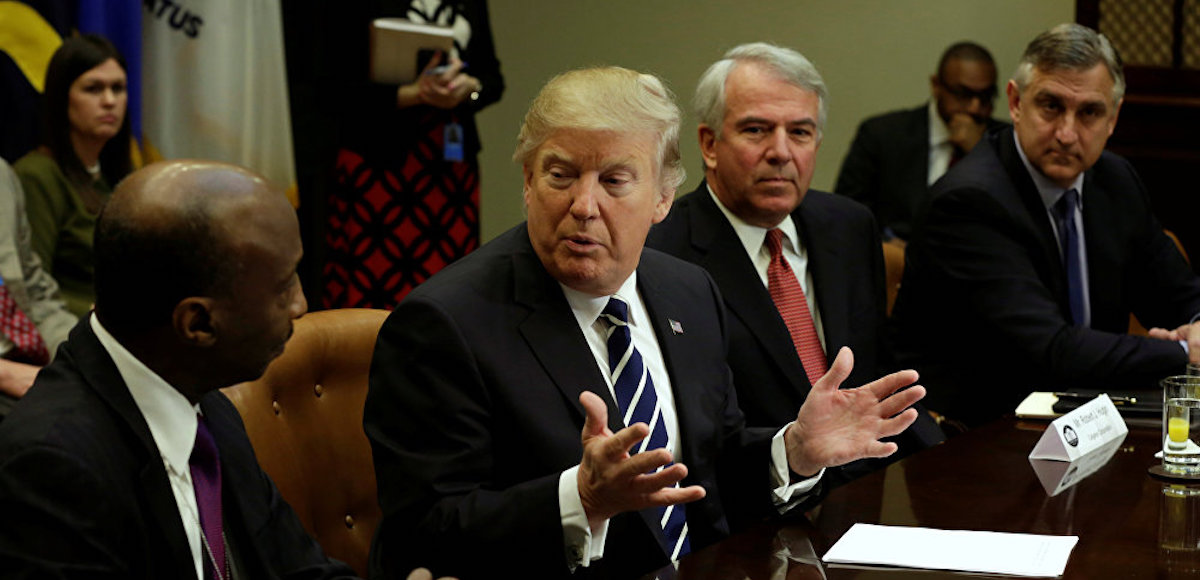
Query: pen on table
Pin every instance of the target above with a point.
(1086, 397)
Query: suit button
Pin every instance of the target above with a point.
(349, 521)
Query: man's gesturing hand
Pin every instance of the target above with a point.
(836, 426)
(611, 481)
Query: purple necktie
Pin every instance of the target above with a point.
(205, 465)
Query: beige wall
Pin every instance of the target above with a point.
(875, 55)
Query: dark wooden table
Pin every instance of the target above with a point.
(1129, 524)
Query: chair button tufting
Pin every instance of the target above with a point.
(350, 521)
(319, 390)
(275, 407)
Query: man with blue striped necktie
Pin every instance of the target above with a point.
(487, 374)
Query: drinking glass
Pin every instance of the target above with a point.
(1181, 424)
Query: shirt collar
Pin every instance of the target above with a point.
(938, 133)
(171, 418)
(1048, 190)
(752, 236)
(587, 307)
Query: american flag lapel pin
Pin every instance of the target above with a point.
(675, 326)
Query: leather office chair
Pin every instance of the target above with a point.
(893, 261)
(1135, 326)
(304, 418)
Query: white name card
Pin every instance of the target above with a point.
(1088, 428)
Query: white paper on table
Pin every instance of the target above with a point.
(962, 550)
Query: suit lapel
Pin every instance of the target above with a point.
(663, 311)
(554, 339)
(1104, 275)
(98, 370)
(1026, 202)
(725, 258)
(829, 279)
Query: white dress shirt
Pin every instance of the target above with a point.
(941, 150)
(172, 421)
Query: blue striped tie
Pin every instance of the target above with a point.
(639, 404)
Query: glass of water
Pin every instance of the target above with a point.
(1181, 424)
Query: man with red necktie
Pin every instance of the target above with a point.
(801, 271)
(559, 401)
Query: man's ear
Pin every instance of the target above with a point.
(663, 207)
(1014, 101)
(708, 140)
(193, 321)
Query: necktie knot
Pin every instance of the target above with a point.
(204, 456)
(774, 243)
(616, 311)
(1065, 206)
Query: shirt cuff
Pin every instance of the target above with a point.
(584, 545)
(785, 495)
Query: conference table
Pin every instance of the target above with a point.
(1129, 524)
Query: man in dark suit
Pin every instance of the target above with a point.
(507, 391)
(762, 110)
(1037, 247)
(896, 157)
(196, 289)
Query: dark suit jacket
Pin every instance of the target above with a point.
(473, 412)
(84, 493)
(846, 261)
(887, 166)
(983, 310)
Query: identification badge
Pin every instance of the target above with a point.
(453, 139)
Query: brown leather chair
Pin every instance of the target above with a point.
(304, 418)
(1135, 325)
(893, 262)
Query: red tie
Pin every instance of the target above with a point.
(28, 345)
(793, 307)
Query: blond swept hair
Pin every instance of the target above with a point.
(606, 99)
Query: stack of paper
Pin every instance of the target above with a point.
(967, 551)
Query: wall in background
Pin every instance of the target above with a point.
(875, 55)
